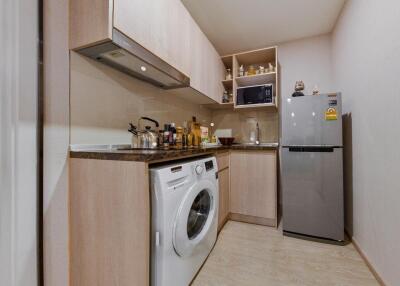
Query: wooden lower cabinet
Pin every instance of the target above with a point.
(224, 184)
(109, 212)
(223, 211)
(109, 223)
(253, 186)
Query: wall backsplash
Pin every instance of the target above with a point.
(104, 101)
(243, 122)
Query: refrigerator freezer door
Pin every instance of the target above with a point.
(312, 120)
(312, 192)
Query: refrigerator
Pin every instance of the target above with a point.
(312, 167)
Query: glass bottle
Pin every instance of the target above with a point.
(166, 135)
(179, 137)
(172, 135)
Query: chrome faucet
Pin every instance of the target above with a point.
(257, 134)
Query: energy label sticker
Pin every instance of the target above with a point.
(331, 114)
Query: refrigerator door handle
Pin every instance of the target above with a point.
(319, 149)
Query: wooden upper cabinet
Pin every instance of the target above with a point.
(90, 22)
(206, 65)
(163, 27)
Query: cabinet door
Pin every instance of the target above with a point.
(254, 184)
(161, 26)
(207, 69)
(223, 160)
(216, 74)
(223, 177)
(109, 223)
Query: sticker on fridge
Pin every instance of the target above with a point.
(331, 114)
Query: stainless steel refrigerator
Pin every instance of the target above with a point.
(312, 166)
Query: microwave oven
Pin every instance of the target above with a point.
(256, 94)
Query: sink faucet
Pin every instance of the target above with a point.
(257, 134)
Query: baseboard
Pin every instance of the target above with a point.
(364, 257)
(220, 227)
(253, 219)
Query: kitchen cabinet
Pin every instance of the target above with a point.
(110, 213)
(109, 223)
(163, 27)
(224, 185)
(253, 191)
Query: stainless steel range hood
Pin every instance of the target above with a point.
(125, 55)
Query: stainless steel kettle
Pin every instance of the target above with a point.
(145, 138)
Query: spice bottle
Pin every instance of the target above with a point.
(166, 135)
(179, 137)
(173, 133)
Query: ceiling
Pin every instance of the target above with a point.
(240, 25)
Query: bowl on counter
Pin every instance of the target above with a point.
(227, 141)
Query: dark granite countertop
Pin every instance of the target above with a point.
(162, 155)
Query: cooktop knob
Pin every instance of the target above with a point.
(199, 169)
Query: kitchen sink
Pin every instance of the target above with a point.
(266, 144)
(144, 149)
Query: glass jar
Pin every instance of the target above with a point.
(228, 74)
(251, 70)
(225, 97)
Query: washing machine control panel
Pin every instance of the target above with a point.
(209, 165)
(199, 169)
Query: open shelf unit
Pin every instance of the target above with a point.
(256, 59)
(228, 83)
(266, 58)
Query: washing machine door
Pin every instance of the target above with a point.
(195, 217)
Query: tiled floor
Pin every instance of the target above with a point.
(253, 255)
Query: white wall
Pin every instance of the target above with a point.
(56, 142)
(18, 145)
(366, 67)
(308, 60)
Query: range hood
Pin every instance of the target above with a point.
(125, 55)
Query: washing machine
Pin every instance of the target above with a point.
(184, 219)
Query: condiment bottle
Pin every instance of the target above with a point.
(251, 70)
(160, 138)
(225, 97)
(173, 130)
(241, 71)
(179, 137)
(195, 132)
(185, 134)
(166, 135)
(228, 74)
(190, 140)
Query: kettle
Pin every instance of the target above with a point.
(146, 138)
(151, 137)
